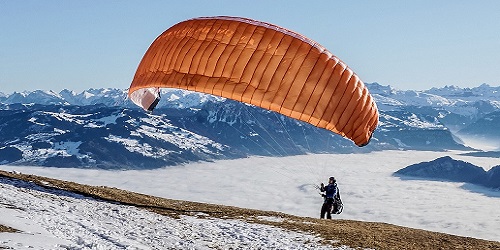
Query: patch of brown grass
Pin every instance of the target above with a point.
(335, 232)
(6, 229)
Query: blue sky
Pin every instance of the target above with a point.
(76, 45)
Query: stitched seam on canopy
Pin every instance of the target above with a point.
(337, 62)
(295, 77)
(345, 69)
(260, 60)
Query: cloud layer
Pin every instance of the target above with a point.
(368, 189)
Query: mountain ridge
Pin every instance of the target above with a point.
(102, 128)
(449, 169)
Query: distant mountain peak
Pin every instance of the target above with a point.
(449, 169)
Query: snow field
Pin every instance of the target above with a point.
(54, 219)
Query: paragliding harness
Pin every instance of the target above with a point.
(338, 206)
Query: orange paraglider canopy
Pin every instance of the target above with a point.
(260, 64)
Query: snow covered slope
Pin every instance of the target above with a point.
(122, 138)
(56, 219)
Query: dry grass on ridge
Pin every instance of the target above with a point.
(7, 229)
(335, 232)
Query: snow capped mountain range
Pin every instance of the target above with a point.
(102, 128)
(463, 101)
(105, 96)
